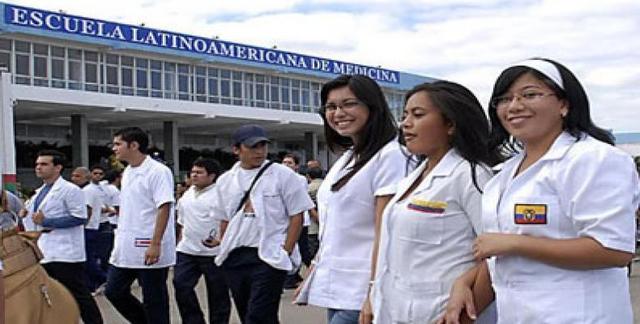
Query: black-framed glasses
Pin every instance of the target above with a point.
(527, 97)
(348, 104)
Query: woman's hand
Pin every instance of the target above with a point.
(366, 313)
(494, 244)
(460, 299)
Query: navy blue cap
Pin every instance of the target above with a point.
(250, 135)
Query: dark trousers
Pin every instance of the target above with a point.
(105, 244)
(155, 306)
(96, 276)
(187, 273)
(314, 244)
(256, 288)
(69, 275)
(303, 245)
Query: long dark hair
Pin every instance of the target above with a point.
(577, 121)
(376, 133)
(460, 106)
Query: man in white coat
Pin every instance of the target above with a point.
(260, 206)
(144, 247)
(58, 209)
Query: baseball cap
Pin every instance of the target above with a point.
(250, 135)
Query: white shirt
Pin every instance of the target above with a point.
(113, 201)
(144, 189)
(94, 199)
(582, 188)
(347, 218)
(426, 240)
(306, 219)
(194, 215)
(276, 196)
(61, 244)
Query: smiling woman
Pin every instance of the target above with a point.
(359, 125)
(558, 219)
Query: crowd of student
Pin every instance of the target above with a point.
(410, 225)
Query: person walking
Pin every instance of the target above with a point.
(59, 211)
(194, 259)
(144, 247)
(259, 205)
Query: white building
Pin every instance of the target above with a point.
(74, 80)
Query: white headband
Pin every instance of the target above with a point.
(546, 68)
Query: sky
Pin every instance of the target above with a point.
(466, 41)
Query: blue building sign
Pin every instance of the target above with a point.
(59, 22)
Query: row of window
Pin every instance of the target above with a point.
(71, 68)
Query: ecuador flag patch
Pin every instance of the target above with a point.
(530, 214)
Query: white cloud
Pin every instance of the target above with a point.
(467, 41)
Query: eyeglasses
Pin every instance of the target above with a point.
(529, 97)
(346, 105)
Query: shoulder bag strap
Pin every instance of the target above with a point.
(255, 179)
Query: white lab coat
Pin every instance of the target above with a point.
(144, 189)
(426, 239)
(347, 219)
(61, 244)
(582, 188)
(277, 195)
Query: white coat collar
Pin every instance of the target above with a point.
(444, 168)
(57, 185)
(560, 146)
(143, 167)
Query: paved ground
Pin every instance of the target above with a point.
(290, 314)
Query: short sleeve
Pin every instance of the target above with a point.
(295, 195)
(218, 211)
(161, 184)
(179, 211)
(390, 168)
(599, 189)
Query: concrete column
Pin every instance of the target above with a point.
(79, 141)
(7, 142)
(311, 145)
(171, 148)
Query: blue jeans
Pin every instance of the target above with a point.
(187, 273)
(342, 316)
(154, 294)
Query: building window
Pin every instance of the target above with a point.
(213, 84)
(23, 63)
(142, 77)
(156, 79)
(58, 55)
(5, 53)
(170, 80)
(91, 82)
(74, 68)
(201, 83)
(40, 66)
(126, 73)
(184, 71)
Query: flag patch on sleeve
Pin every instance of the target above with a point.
(525, 214)
(427, 206)
(142, 242)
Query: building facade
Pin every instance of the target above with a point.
(74, 80)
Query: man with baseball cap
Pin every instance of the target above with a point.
(259, 205)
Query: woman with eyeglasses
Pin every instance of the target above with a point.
(358, 124)
(559, 218)
(429, 226)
